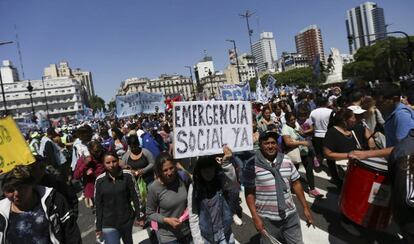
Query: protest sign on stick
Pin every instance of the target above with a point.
(13, 148)
(203, 127)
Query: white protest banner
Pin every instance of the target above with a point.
(203, 127)
(140, 102)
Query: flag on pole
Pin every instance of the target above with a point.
(260, 96)
(271, 82)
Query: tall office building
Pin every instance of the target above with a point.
(8, 72)
(265, 52)
(64, 70)
(309, 43)
(365, 19)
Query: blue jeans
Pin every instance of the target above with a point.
(226, 239)
(286, 230)
(185, 240)
(113, 235)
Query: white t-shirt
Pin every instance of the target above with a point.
(320, 119)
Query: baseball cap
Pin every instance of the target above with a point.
(267, 134)
(357, 109)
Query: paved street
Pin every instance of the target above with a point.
(325, 212)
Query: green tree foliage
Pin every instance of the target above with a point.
(112, 105)
(300, 77)
(386, 60)
(96, 102)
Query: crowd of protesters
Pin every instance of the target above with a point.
(129, 176)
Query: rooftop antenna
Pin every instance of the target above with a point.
(19, 51)
(205, 53)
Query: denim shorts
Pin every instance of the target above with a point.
(286, 230)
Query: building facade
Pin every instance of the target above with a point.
(134, 85)
(309, 43)
(289, 61)
(205, 67)
(247, 70)
(211, 84)
(8, 72)
(366, 24)
(168, 85)
(85, 78)
(57, 97)
(64, 70)
(265, 52)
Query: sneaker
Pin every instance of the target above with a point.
(82, 196)
(237, 220)
(315, 193)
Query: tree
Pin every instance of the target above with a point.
(386, 60)
(95, 102)
(112, 105)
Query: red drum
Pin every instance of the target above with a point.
(366, 193)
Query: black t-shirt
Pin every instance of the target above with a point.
(31, 227)
(339, 143)
(141, 163)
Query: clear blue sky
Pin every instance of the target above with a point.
(116, 40)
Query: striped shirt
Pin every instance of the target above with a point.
(264, 182)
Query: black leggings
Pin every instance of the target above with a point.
(307, 162)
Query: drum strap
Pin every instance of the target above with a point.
(358, 144)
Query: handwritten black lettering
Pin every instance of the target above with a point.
(209, 119)
(200, 115)
(243, 119)
(231, 114)
(223, 114)
(236, 133)
(215, 139)
(200, 133)
(244, 138)
(177, 117)
(180, 134)
(192, 141)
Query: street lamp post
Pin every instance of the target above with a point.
(237, 58)
(191, 79)
(211, 81)
(1, 82)
(30, 89)
(246, 16)
(44, 93)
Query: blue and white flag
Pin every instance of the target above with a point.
(235, 92)
(260, 95)
(271, 82)
(137, 103)
(316, 67)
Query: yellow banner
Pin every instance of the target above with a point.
(13, 147)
